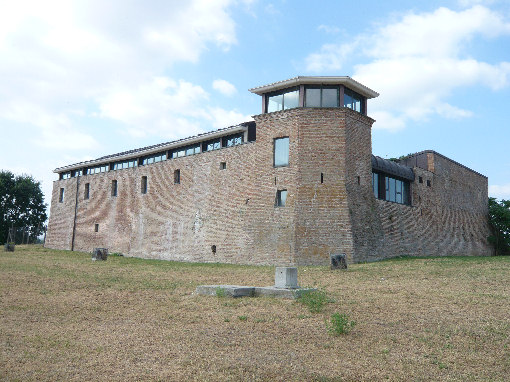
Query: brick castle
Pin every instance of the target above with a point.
(293, 187)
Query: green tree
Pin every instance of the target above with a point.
(499, 220)
(21, 204)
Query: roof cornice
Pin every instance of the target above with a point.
(317, 80)
(153, 149)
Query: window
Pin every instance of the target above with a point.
(223, 165)
(125, 164)
(144, 185)
(98, 169)
(61, 196)
(76, 173)
(420, 179)
(96, 227)
(65, 175)
(326, 96)
(154, 158)
(391, 189)
(281, 152)
(186, 150)
(284, 100)
(214, 144)
(114, 188)
(353, 100)
(87, 191)
(429, 184)
(233, 140)
(177, 176)
(375, 184)
(281, 198)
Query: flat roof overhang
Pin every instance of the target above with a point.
(154, 149)
(316, 80)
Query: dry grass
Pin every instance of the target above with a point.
(64, 317)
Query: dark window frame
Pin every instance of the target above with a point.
(114, 188)
(144, 185)
(177, 176)
(282, 93)
(86, 194)
(274, 151)
(383, 190)
(281, 198)
(61, 195)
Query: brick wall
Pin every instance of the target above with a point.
(233, 209)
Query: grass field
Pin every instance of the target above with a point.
(64, 317)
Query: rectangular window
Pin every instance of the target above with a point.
(87, 191)
(393, 190)
(287, 99)
(96, 227)
(214, 144)
(325, 96)
(281, 198)
(144, 185)
(114, 188)
(233, 140)
(223, 165)
(281, 152)
(61, 196)
(429, 183)
(353, 100)
(177, 176)
(375, 184)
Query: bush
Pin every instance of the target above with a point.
(340, 324)
(499, 220)
(314, 300)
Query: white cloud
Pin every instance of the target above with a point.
(224, 87)
(500, 191)
(469, 3)
(329, 29)
(63, 61)
(224, 118)
(418, 61)
(330, 57)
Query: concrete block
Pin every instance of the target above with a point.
(225, 290)
(338, 261)
(286, 277)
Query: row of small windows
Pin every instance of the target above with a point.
(215, 144)
(114, 186)
(315, 96)
(391, 189)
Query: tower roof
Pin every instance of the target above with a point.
(317, 80)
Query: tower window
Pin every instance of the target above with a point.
(87, 191)
(281, 198)
(114, 187)
(281, 152)
(177, 176)
(144, 185)
(61, 196)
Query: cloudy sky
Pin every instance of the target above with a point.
(82, 79)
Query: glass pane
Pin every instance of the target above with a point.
(281, 152)
(329, 97)
(313, 97)
(405, 191)
(275, 103)
(398, 188)
(238, 140)
(392, 189)
(356, 103)
(282, 198)
(291, 99)
(375, 183)
(347, 99)
(217, 144)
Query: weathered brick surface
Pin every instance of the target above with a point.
(234, 209)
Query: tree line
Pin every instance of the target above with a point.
(21, 205)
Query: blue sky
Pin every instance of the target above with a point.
(82, 79)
